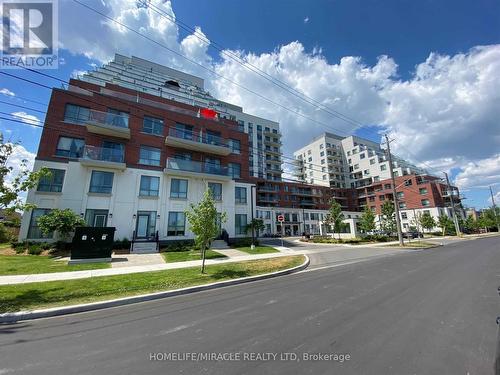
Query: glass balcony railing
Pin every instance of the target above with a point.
(196, 166)
(108, 118)
(103, 154)
(207, 139)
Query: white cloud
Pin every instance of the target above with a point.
(480, 174)
(26, 118)
(306, 20)
(6, 92)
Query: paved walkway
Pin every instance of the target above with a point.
(231, 253)
(133, 260)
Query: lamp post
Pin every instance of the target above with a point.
(251, 215)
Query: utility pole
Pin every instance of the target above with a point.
(394, 194)
(494, 210)
(455, 221)
(253, 224)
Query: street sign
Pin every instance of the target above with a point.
(281, 218)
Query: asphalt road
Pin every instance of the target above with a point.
(425, 312)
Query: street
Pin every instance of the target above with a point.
(417, 312)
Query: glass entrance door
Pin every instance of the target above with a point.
(142, 226)
(100, 220)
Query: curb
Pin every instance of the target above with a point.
(57, 311)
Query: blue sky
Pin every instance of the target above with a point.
(405, 31)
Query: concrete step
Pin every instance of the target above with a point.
(144, 248)
(219, 244)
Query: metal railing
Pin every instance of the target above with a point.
(103, 154)
(196, 166)
(108, 118)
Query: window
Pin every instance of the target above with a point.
(387, 186)
(240, 221)
(400, 194)
(422, 191)
(76, 114)
(366, 171)
(101, 182)
(96, 218)
(149, 156)
(402, 205)
(234, 170)
(396, 173)
(425, 202)
(381, 197)
(70, 147)
(178, 188)
(150, 186)
(362, 155)
(240, 194)
(322, 153)
(216, 190)
(235, 146)
(321, 146)
(322, 161)
(33, 231)
(152, 125)
(372, 161)
(404, 215)
(53, 183)
(112, 151)
(176, 223)
(356, 166)
(116, 117)
(383, 167)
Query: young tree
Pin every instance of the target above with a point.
(367, 220)
(427, 221)
(388, 221)
(61, 221)
(256, 225)
(203, 223)
(444, 223)
(12, 184)
(335, 217)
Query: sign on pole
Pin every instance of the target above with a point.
(281, 218)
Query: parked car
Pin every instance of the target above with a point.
(412, 234)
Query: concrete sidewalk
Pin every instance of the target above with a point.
(56, 276)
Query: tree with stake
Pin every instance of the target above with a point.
(335, 217)
(444, 223)
(367, 221)
(427, 221)
(203, 223)
(256, 225)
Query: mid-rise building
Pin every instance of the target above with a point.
(148, 77)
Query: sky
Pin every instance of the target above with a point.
(425, 72)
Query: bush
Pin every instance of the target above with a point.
(20, 250)
(35, 249)
(121, 244)
(176, 246)
(18, 245)
(5, 234)
(377, 238)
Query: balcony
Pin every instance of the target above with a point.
(183, 167)
(197, 142)
(103, 157)
(108, 124)
(306, 202)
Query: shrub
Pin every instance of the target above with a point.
(176, 246)
(5, 234)
(18, 245)
(35, 249)
(121, 244)
(20, 250)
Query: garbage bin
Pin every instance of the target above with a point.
(91, 244)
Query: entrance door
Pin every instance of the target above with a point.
(142, 226)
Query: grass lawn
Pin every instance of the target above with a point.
(183, 256)
(70, 292)
(28, 264)
(258, 250)
(415, 244)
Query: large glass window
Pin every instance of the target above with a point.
(152, 125)
(176, 223)
(234, 170)
(178, 188)
(116, 117)
(240, 221)
(235, 146)
(101, 182)
(113, 151)
(216, 190)
(150, 186)
(76, 114)
(149, 156)
(70, 147)
(96, 218)
(53, 182)
(240, 194)
(34, 231)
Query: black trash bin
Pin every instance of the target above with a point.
(92, 244)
